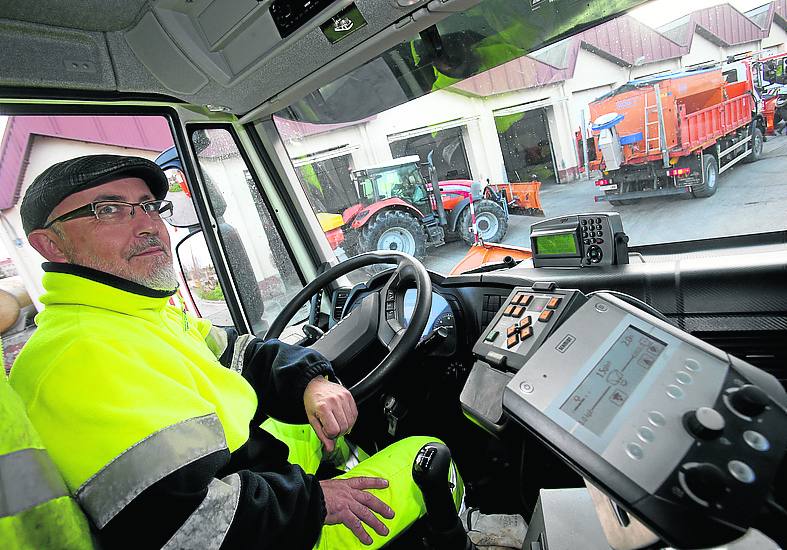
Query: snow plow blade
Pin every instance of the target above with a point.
(522, 197)
(489, 253)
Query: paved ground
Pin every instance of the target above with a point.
(751, 198)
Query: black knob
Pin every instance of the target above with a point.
(705, 481)
(749, 400)
(430, 473)
(704, 423)
(595, 254)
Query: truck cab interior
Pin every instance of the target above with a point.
(523, 367)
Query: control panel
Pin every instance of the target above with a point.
(683, 436)
(527, 317)
(584, 240)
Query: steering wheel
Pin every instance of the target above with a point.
(378, 319)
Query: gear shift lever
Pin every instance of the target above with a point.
(430, 473)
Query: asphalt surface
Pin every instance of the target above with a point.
(750, 198)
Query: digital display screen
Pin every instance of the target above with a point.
(563, 244)
(606, 389)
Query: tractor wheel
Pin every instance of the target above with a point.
(710, 177)
(394, 230)
(490, 219)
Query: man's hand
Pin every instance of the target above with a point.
(347, 502)
(330, 409)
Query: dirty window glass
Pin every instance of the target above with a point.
(255, 251)
(672, 114)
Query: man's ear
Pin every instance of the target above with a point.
(48, 244)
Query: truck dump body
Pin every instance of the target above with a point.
(698, 107)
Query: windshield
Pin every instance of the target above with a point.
(671, 113)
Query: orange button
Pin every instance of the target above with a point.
(525, 301)
(526, 333)
(554, 302)
(511, 342)
(525, 322)
(518, 311)
(511, 331)
(546, 315)
(509, 310)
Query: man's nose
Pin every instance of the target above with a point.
(143, 224)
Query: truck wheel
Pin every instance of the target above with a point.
(490, 218)
(394, 230)
(757, 144)
(711, 178)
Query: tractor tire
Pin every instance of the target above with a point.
(491, 221)
(757, 144)
(710, 178)
(394, 230)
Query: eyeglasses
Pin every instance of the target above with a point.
(117, 211)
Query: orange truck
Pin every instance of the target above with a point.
(677, 133)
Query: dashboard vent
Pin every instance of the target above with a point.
(764, 349)
(339, 300)
(492, 303)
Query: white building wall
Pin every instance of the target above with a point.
(241, 213)
(702, 51)
(652, 69)
(44, 152)
(776, 41)
(743, 48)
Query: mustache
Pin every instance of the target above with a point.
(150, 242)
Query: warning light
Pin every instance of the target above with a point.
(678, 172)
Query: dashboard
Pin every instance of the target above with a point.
(441, 315)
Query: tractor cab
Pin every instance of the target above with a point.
(402, 180)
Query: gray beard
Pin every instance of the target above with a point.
(162, 276)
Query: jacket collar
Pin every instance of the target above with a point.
(75, 284)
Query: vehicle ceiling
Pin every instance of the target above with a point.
(218, 52)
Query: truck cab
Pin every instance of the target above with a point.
(584, 371)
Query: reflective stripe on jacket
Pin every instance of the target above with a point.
(36, 510)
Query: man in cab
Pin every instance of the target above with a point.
(155, 418)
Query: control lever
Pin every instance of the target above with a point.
(433, 340)
(430, 473)
(312, 334)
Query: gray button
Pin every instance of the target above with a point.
(674, 392)
(646, 434)
(602, 308)
(684, 378)
(635, 451)
(526, 387)
(741, 471)
(692, 365)
(756, 440)
(656, 418)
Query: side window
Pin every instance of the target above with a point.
(199, 274)
(256, 253)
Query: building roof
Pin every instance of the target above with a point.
(722, 25)
(628, 42)
(123, 131)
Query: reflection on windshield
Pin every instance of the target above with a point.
(488, 35)
(516, 111)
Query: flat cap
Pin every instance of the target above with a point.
(71, 176)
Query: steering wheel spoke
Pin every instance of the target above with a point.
(374, 320)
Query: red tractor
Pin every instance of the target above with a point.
(399, 209)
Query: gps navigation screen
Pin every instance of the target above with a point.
(606, 389)
(564, 244)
